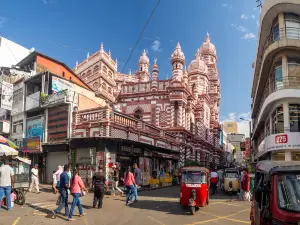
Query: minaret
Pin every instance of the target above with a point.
(154, 83)
(143, 72)
(185, 76)
(177, 61)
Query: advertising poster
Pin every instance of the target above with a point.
(35, 127)
(32, 144)
(6, 95)
(60, 85)
(86, 164)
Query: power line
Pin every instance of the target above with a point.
(9, 48)
(140, 35)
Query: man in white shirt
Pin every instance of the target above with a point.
(6, 182)
(35, 178)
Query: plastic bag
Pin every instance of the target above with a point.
(247, 196)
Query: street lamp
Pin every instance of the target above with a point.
(250, 136)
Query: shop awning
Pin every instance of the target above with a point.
(7, 151)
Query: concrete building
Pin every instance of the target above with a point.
(231, 127)
(11, 53)
(276, 83)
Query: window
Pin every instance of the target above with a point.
(278, 156)
(63, 74)
(18, 95)
(193, 177)
(109, 90)
(110, 74)
(295, 156)
(278, 82)
(292, 26)
(294, 111)
(104, 69)
(83, 76)
(18, 126)
(138, 114)
(294, 72)
(267, 130)
(96, 68)
(89, 73)
(277, 120)
(104, 86)
(275, 30)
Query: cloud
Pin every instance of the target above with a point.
(253, 17)
(249, 36)
(240, 28)
(3, 20)
(257, 23)
(244, 17)
(226, 6)
(156, 45)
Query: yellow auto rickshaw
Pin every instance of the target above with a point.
(231, 180)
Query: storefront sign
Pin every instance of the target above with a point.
(32, 144)
(147, 154)
(35, 127)
(279, 142)
(6, 95)
(60, 85)
(131, 150)
(4, 126)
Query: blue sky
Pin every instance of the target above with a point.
(67, 30)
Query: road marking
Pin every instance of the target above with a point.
(222, 217)
(232, 204)
(16, 221)
(150, 217)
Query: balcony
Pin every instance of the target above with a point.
(33, 101)
(291, 82)
(61, 97)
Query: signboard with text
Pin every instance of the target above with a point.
(32, 144)
(60, 85)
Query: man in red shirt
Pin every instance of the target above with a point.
(246, 185)
(213, 181)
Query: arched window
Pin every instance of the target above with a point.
(138, 114)
(109, 90)
(83, 75)
(193, 88)
(104, 86)
(89, 73)
(110, 74)
(96, 85)
(96, 68)
(104, 69)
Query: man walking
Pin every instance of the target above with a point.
(213, 181)
(100, 186)
(246, 185)
(115, 176)
(63, 190)
(35, 178)
(138, 180)
(6, 183)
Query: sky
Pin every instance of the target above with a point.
(67, 30)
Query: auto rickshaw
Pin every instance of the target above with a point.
(194, 188)
(276, 197)
(231, 180)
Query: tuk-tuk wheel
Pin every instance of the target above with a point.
(192, 210)
(20, 198)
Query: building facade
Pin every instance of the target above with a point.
(186, 105)
(231, 127)
(276, 83)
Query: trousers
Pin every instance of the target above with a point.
(98, 197)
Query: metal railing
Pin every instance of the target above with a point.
(292, 33)
(290, 82)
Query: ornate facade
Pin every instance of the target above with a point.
(187, 104)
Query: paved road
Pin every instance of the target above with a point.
(159, 207)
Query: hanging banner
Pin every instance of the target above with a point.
(60, 85)
(6, 95)
(35, 127)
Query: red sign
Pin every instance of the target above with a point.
(281, 139)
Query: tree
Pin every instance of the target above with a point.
(191, 163)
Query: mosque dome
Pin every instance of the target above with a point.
(144, 58)
(177, 55)
(207, 47)
(198, 66)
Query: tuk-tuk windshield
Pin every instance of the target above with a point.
(231, 174)
(288, 186)
(194, 177)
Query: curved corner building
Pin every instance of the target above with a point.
(276, 83)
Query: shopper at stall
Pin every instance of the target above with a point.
(115, 176)
(6, 183)
(130, 185)
(35, 178)
(100, 186)
(63, 190)
(76, 187)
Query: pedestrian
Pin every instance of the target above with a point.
(115, 176)
(6, 183)
(35, 178)
(76, 187)
(246, 185)
(220, 179)
(63, 191)
(54, 182)
(100, 186)
(129, 183)
(213, 181)
(138, 180)
(241, 195)
(58, 173)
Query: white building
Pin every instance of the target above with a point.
(276, 83)
(11, 53)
